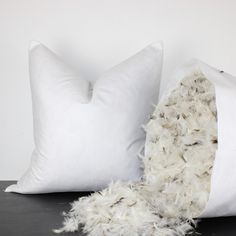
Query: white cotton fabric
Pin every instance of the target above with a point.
(223, 189)
(87, 137)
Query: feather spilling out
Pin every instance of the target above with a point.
(179, 156)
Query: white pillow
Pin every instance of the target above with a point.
(85, 139)
(222, 195)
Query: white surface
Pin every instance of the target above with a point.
(223, 192)
(85, 138)
(102, 33)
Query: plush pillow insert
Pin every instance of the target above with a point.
(83, 141)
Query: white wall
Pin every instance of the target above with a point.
(101, 32)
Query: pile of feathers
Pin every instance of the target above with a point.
(181, 140)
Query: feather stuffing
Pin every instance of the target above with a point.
(180, 150)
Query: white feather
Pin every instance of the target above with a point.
(180, 151)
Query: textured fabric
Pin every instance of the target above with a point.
(84, 139)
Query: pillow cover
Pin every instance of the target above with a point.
(222, 194)
(84, 139)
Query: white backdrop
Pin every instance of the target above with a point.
(100, 33)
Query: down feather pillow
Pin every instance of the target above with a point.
(179, 155)
(84, 139)
(189, 164)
